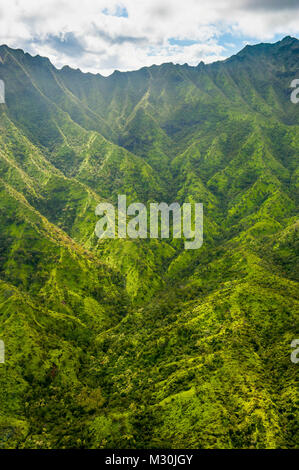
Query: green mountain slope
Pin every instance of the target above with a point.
(141, 343)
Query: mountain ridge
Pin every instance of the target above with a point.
(140, 343)
(284, 41)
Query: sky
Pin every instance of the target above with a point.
(101, 36)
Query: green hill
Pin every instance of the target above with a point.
(140, 343)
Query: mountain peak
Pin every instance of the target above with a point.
(262, 47)
(288, 39)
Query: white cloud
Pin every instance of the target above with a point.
(94, 36)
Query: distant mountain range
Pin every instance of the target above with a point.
(140, 343)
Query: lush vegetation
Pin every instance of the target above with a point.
(140, 343)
